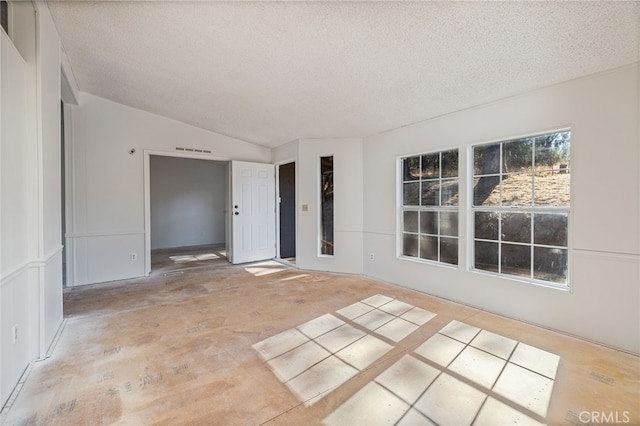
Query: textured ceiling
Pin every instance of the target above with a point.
(271, 72)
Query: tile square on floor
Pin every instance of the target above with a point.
(440, 349)
(395, 307)
(320, 325)
(274, 346)
(408, 378)
(535, 359)
(294, 362)
(478, 366)
(321, 379)
(418, 316)
(377, 300)
(460, 331)
(364, 352)
(355, 310)
(448, 401)
(373, 319)
(371, 405)
(494, 343)
(396, 329)
(494, 412)
(526, 388)
(339, 338)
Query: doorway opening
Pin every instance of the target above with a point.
(287, 214)
(188, 209)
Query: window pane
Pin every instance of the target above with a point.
(516, 260)
(430, 166)
(430, 193)
(429, 223)
(486, 159)
(552, 150)
(428, 247)
(410, 220)
(486, 225)
(517, 189)
(430, 181)
(449, 223)
(411, 168)
(486, 256)
(518, 156)
(550, 229)
(411, 194)
(550, 264)
(449, 250)
(449, 190)
(513, 184)
(516, 227)
(410, 245)
(486, 191)
(326, 201)
(450, 163)
(552, 189)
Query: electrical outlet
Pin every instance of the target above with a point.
(15, 334)
(134, 256)
(372, 256)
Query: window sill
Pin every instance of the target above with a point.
(538, 283)
(428, 262)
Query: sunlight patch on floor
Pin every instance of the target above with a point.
(448, 379)
(461, 375)
(265, 268)
(196, 257)
(183, 259)
(295, 277)
(318, 356)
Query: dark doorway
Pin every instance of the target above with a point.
(287, 190)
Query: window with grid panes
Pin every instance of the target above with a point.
(521, 201)
(429, 219)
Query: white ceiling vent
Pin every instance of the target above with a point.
(199, 151)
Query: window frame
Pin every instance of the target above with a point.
(438, 209)
(532, 210)
(321, 223)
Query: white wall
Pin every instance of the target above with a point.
(604, 300)
(188, 202)
(285, 153)
(50, 244)
(347, 165)
(15, 237)
(30, 250)
(106, 198)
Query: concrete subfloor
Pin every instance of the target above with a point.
(268, 344)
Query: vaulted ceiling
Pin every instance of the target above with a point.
(271, 72)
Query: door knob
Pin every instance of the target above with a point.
(236, 213)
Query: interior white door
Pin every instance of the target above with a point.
(253, 212)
